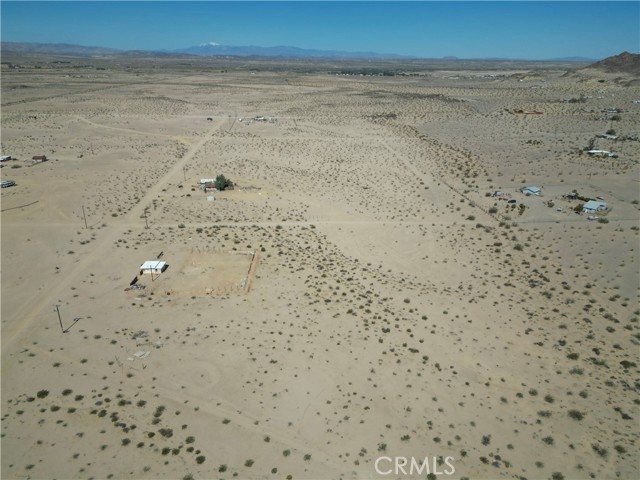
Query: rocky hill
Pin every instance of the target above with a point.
(624, 63)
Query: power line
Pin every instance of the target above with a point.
(59, 317)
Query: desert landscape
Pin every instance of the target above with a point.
(403, 268)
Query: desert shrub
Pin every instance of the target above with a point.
(576, 415)
(599, 450)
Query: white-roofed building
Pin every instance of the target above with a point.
(153, 266)
(592, 206)
(602, 153)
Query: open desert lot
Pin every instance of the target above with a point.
(361, 293)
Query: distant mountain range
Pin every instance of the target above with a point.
(209, 50)
(56, 49)
(204, 50)
(217, 50)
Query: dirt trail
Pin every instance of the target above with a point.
(26, 315)
(131, 130)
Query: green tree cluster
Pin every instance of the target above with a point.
(222, 183)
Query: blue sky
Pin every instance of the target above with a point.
(476, 29)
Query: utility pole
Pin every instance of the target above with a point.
(184, 170)
(145, 218)
(59, 317)
(85, 217)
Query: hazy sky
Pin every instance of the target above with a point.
(528, 30)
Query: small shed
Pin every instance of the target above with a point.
(532, 190)
(153, 266)
(39, 158)
(593, 206)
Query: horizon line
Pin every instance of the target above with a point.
(177, 51)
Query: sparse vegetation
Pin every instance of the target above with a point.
(345, 278)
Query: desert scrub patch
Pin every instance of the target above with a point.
(599, 450)
(576, 414)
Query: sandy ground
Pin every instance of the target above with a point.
(359, 293)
